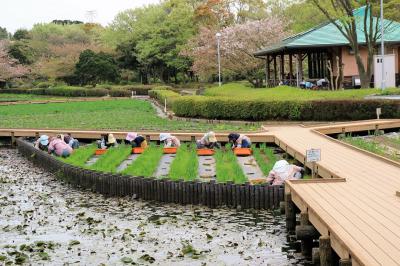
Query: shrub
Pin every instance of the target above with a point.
(44, 84)
(120, 93)
(258, 110)
(161, 95)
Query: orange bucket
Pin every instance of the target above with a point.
(258, 181)
(205, 152)
(171, 150)
(137, 150)
(242, 151)
(100, 151)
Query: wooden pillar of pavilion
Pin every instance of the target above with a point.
(300, 66)
(267, 72)
(310, 69)
(290, 66)
(275, 71)
(282, 67)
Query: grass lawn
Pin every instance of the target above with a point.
(9, 97)
(285, 93)
(127, 114)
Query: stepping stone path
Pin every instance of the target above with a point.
(250, 167)
(127, 162)
(92, 160)
(207, 167)
(164, 165)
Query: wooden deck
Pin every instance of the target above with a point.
(357, 204)
(361, 214)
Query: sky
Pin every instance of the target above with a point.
(16, 14)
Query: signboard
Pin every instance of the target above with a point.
(313, 155)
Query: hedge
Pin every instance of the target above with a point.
(161, 95)
(258, 110)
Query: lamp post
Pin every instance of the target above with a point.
(218, 35)
(383, 85)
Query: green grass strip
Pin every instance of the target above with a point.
(265, 158)
(112, 159)
(369, 146)
(80, 156)
(228, 168)
(146, 164)
(185, 165)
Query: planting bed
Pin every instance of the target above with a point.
(387, 145)
(229, 188)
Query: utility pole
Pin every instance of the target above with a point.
(218, 35)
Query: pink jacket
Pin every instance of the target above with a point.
(58, 146)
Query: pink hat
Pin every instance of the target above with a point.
(131, 136)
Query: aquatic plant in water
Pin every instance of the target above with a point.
(265, 158)
(146, 164)
(185, 165)
(112, 159)
(227, 167)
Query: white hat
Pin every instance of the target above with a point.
(164, 136)
(111, 138)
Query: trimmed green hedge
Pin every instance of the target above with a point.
(61, 91)
(257, 110)
(161, 95)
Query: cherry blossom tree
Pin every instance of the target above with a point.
(9, 67)
(238, 43)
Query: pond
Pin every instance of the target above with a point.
(44, 221)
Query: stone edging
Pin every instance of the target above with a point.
(210, 194)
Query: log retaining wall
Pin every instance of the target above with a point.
(210, 194)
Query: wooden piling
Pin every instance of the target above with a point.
(290, 211)
(306, 233)
(315, 256)
(325, 251)
(345, 262)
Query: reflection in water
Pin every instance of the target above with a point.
(43, 220)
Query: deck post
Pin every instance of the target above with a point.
(290, 211)
(345, 262)
(13, 140)
(325, 251)
(306, 233)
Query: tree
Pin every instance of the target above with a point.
(93, 68)
(238, 43)
(9, 67)
(22, 52)
(3, 33)
(21, 34)
(350, 24)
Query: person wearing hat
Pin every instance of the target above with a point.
(136, 140)
(42, 143)
(208, 141)
(74, 143)
(111, 141)
(239, 140)
(59, 147)
(169, 140)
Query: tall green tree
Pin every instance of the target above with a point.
(3, 33)
(94, 68)
(21, 34)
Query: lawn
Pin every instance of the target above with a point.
(129, 114)
(9, 97)
(284, 93)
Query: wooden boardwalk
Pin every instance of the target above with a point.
(361, 214)
(355, 204)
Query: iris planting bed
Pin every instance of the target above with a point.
(184, 165)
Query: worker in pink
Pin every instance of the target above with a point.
(59, 147)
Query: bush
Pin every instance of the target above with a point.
(257, 110)
(161, 95)
(120, 93)
(44, 84)
(61, 91)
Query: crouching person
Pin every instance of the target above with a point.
(74, 143)
(239, 140)
(59, 148)
(169, 140)
(137, 141)
(107, 141)
(42, 143)
(283, 171)
(208, 141)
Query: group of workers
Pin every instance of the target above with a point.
(209, 141)
(61, 145)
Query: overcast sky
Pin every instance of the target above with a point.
(16, 14)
